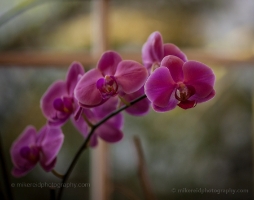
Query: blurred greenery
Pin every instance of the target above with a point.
(205, 147)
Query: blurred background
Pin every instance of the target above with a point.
(209, 146)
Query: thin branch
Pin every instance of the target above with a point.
(142, 171)
(5, 171)
(119, 110)
(86, 142)
(124, 101)
(58, 175)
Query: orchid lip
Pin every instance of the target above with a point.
(107, 86)
(155, 66)
(64, 105)
(184, 92)
(30, 153)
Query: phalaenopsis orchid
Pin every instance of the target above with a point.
(93, 100)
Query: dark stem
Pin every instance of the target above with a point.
(85, 144)
(5, 171)
(52, 193)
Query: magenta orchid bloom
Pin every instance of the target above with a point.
(58, 103)
(179, 83)
(111, 77)
(110, 131)
(153, 51)
(31, 148)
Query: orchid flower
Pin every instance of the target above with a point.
(31, 148)
(58, 103)
(112, 77)
(180, 83)
(153, 51)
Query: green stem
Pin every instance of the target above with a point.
(86, 142)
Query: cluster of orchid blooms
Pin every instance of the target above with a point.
(165, 80)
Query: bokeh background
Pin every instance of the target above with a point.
(209, 146)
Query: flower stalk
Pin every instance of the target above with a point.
(86, 142)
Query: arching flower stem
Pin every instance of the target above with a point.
(86, 142)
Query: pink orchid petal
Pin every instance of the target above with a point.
(201, 100)
(56, 90)
(108, 63)
(171, 49)
(90, 115)
(78, 112)
(159, 87)
(76, 69)
(146, 57)
(140, 108)
(131, 76)
(86, 91)
(200, 76)
(58, 122)
(50, 166)
(106, 108)
(116, 121)
(27, 138)
(50, 139)
(16, 172)
(93, 141)
(81, 126)
(174, 64)
(152, 50)
(171, 106)
(109, 133)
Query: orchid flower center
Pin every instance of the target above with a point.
(64, 105)
(30, 153)
(155, 66)
(184, 92)
(107, 86)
